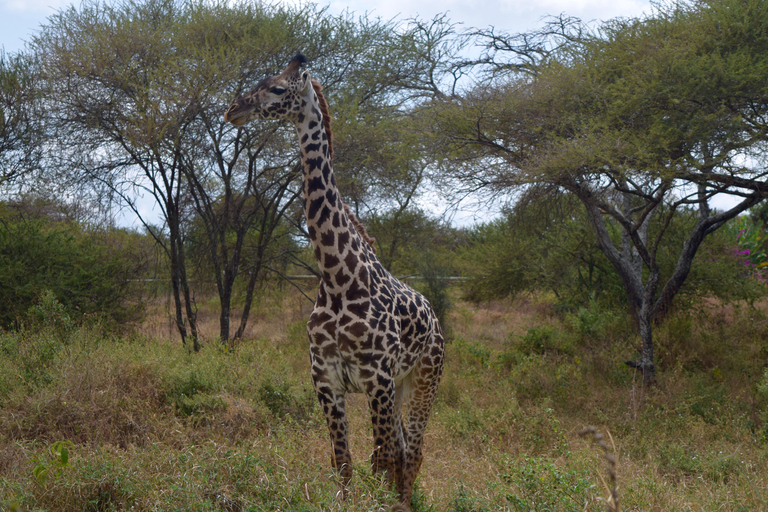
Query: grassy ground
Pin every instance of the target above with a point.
(94, 422)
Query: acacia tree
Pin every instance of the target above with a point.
(19, 114)
(134, 89)
(383, 152)
(641, 120)
(137, 90)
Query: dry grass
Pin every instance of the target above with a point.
(493, 322)
(156, 428)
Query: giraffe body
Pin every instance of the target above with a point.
(368, 332)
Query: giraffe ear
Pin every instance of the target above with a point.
(306, 82)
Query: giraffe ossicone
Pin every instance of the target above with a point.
(368, 332)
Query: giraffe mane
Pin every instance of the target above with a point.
(326, 115)
(329, 133)
(360, 228)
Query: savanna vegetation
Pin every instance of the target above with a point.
(165, 367)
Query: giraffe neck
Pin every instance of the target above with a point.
(334, 240)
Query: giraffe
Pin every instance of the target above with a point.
(368, 332)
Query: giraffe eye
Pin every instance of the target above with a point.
(277, 90)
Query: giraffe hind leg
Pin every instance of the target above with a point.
(387, 424)
(419, 399)
(400, 441)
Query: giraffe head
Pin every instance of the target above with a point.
(275, 97)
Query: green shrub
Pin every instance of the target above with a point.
(435, 288)
(49, 314)
(283, 401)
(55, 463)
(539, 484)
(679, 459)
(762, 400)
(31, 351)
(276, 397)
(592, 322)
(544, 340)
(190, 394)
(709, 399)
(465, 502)
(86, 272)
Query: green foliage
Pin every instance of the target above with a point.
(191, 394)
(525, 358)
(20, 126)
(594, 322)
(275, 397)
(419, 500)
(717, 270)
(543, 340)
(751, 249)
(435, 287)
(409, 238)
(752, 241)
(463, 418)
(762, 397)
(58, 461)
(32, 350)
(465, 502)
(543, 432)
(283, 401)
(708, 398)
(643, 120)
(539, 484)
(542, 244)
(42, 257)
(680, 460)
(49, 314)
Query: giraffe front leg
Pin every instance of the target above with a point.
(334, 408)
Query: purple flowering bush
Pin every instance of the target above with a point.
(751, 249)
(731, 264)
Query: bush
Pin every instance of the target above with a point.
(543, 340)
(435, 288)
(545, 244)
(762, 397)
(539, 484)
(86, 273)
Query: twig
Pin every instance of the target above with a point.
(597, 437)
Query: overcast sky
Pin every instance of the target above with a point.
(20, 18)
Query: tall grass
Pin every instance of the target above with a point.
(152, 427)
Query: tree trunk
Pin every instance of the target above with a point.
(180, 283)
(248, 300)
(191, 313)
(629, 263)
(225, 300)
(177, 300)
(176, 286)
(646, 364)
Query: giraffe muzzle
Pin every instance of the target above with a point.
(234, 117)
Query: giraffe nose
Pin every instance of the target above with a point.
(229, 112)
